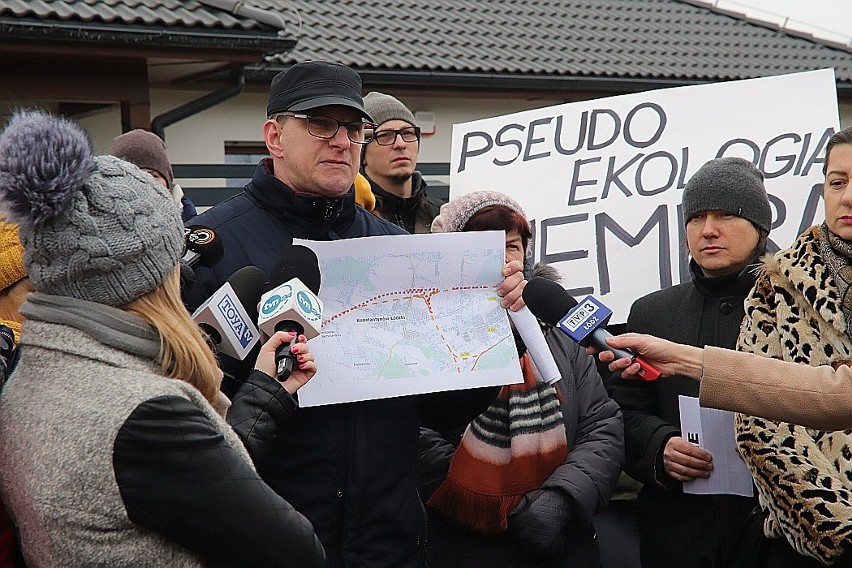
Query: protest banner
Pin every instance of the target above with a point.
(602, 180)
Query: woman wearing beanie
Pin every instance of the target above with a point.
(801, 310)
(112, 452)
(521, 484)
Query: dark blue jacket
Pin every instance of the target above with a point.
(349, 468)
(257, 224)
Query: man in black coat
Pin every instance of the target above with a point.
(727, 217)
(349, 468)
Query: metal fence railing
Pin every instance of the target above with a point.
(208, 184)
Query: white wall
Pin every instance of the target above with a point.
(200, 138)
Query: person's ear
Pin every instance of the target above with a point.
(272, 137)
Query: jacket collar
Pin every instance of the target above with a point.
(737, 284)
(394, 203)
(803, 268)
(310, 215)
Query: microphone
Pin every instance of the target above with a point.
(583, 322)
(7, 349)
(203, 246)
(224, 318)
(291, 303)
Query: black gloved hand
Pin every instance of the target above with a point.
(539, 522)
(187, 277)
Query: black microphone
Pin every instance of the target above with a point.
(248, 283)
(291, 303)
(584, 323)
(7, 349)
(203, 246)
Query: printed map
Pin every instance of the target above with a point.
(410, 314)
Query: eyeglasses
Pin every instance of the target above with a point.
(388, 137)
(358, 132)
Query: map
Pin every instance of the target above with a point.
(410, 314)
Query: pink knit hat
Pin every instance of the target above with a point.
(457, 212)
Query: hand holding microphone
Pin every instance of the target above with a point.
(584, 323)
(304, 367)
(669, 357)
(291, 304)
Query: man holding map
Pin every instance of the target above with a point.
(349, 468)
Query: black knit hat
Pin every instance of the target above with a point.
(733, 185)
(313, 84)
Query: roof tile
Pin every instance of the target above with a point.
(653, 39)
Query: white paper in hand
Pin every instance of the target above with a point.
(530, 331)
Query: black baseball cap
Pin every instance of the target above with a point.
(314, 84)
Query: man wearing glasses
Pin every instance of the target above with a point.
(388, 163)
(349, 468)
(315, 128)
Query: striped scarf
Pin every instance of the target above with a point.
(508, 450)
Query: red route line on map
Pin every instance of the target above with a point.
(424, 293)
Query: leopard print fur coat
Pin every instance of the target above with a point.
(804, 476)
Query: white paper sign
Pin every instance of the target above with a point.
(603, 179)
(713, 430)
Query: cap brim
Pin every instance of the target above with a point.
(328, 101)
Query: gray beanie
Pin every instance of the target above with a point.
(733, 185)
(93, 228)
(384, 107)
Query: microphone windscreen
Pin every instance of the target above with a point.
(547, 299)
(248, 283)
(205, 242)
(296, 261)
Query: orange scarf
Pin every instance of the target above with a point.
(510, 449)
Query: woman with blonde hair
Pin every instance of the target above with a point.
(112, 452)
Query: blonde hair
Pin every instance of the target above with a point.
(184, 354)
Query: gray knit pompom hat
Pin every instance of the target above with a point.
(729, 184)
(95, 228)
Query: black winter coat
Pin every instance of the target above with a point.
(594, 432)
(349, 468)
(414, 214)
(678, 529)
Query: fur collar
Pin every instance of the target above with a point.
(802, 269)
